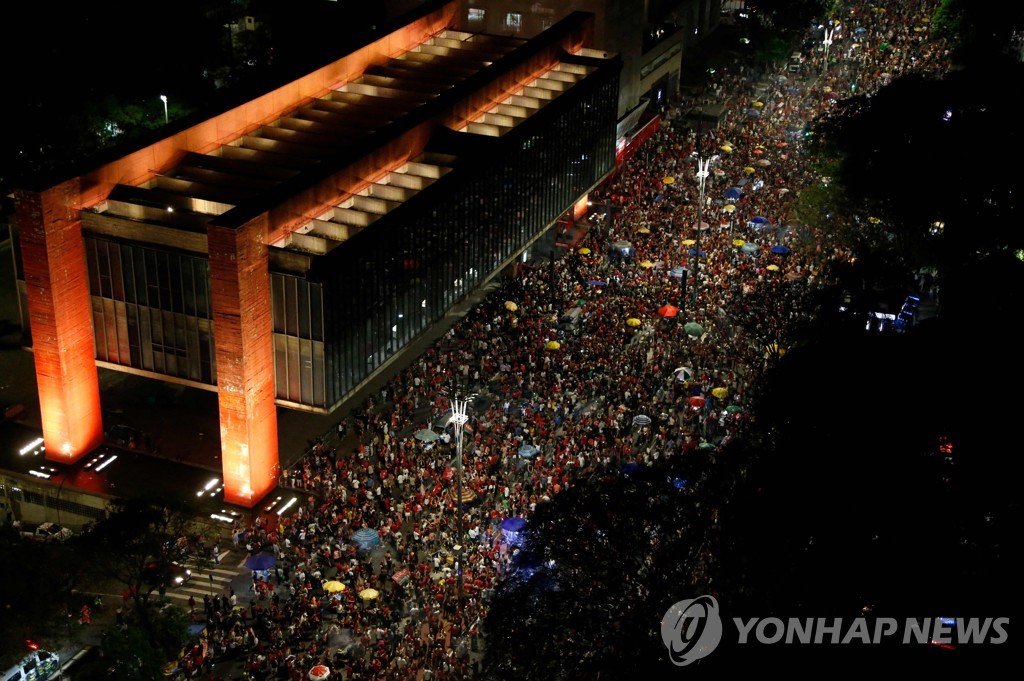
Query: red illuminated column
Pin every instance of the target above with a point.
(50, 230)
(240, 289)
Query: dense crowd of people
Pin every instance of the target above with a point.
(555, 401)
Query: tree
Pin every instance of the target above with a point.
(602, 563)
(133, 656)
(141, 538)
(36, 581)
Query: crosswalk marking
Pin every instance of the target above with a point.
(213, 580)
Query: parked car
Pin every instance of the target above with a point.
(47, 532)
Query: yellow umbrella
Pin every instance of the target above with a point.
(643, 230)
(584, 251)
(773, 268)
(633, 321)
(510, 306)
(553, 345)
(333, 586)
(726, 148)
(738, 242)
(369, 594)
(689, 242)
(720, 393)
(758, 104)
(729, 208)
(668, 180)
(647, 264)
(748, 170)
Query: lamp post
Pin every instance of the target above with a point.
(828, 41)
(702, 175)
(459, 418)
(167, 119)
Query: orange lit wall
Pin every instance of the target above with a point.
(580, 208)
(510, 82)
(299, 209)
(240, 292)
(61, 320)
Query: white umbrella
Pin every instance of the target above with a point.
(682, 374)
(425, 435)
(641, 420)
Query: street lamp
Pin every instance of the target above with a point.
(702, 175)
(167, 119)
(828, 41)
(459, 417)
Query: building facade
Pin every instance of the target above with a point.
(284, 250)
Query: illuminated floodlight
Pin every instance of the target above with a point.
(30, 446)
(106, 463)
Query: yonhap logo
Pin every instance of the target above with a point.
(691, 629)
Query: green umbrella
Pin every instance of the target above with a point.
(734, 409)
(694, 329)
(580, 302)
(705, 445)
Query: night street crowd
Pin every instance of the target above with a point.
(558, 401)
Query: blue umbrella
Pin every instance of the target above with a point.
(528, 451)
(860, 29)
(792, 90)
(753, 113)
(595, 282)
(260, 561)
(366, 537)
(630, 468)
(760, 221)
(749, 247)
(780, 249)
(733, 193)
(693, 251)
(659, 198)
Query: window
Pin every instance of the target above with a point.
(514, 21)
(476, 14)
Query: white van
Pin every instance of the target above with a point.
(36, 666)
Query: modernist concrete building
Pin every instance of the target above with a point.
(282, 251)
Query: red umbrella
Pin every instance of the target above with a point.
(696, 401)
(668, 310)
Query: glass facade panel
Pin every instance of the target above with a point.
(297, 315)
(151, 309)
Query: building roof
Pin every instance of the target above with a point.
(248, 173)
